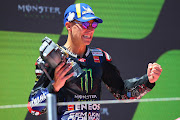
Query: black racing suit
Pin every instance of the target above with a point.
(98, 67)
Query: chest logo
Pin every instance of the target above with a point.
(87, 80)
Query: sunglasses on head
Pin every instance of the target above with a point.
(85, 25)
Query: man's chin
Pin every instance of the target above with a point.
(87, 42)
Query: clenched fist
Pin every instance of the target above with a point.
(154, 71)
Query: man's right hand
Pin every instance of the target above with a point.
(60, 76)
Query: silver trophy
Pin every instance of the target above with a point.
(54, 55)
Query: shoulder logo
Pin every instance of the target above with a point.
(108, 57)
(96, 52)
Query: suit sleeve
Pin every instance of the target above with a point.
(133, 88)
(40, 90)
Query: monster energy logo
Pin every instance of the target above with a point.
(86, 79)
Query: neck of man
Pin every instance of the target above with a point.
(75, 48)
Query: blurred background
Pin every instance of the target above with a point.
(133, 32)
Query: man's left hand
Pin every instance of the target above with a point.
(154, 71)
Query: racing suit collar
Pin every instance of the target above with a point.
(75, 55)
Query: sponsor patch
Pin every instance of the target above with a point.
(97, 53)
(93, 114)
(38, 72)
(96, 59)
(85, 97)
(82, 60)
(96, 50)
(108, 57)
(70, 107)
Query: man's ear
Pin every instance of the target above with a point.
(68, 26)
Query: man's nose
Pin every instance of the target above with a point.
(90, 28)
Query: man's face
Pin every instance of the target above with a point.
(81, 35)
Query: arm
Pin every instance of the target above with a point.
(144, 84)
(133, 88)
(43, 86)
(40, 90)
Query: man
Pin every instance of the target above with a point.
(80, 22)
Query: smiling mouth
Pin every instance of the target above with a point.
(87, 36)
